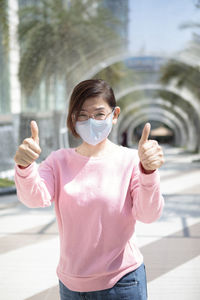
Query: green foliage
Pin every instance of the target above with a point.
(185, 75)
(55, 36)
(114, 73)
(175, 99)
(4, 182)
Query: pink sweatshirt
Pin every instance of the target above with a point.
(97, 202)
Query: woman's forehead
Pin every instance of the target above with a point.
(95, 103)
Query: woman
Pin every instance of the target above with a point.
(100, 190)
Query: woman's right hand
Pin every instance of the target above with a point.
(29, 150)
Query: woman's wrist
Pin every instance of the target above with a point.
(145, 171)
(22, 167)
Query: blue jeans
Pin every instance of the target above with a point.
(132, 286)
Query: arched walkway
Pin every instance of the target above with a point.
(181, 93)
(179, 113)
(159, 114)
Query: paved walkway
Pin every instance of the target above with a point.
(171, 246)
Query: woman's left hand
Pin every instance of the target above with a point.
(149, 151)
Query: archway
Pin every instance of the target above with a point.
(183, 93)
(187, 125)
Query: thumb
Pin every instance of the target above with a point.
(145, 133)
(35, 132)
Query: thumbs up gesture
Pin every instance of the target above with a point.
(150, 153)
(29, 150)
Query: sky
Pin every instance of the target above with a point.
(154, 25)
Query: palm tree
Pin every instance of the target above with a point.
(185, 75)
(54, 37)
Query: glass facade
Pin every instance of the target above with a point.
(120, 9)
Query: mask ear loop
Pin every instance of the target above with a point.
(113, 110)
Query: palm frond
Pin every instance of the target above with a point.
(55, 37)
(186, 76)
(189, 25)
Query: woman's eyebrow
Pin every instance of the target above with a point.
(100, 108)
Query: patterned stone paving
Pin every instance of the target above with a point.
(29, 242)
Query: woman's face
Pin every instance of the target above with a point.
(94, 106)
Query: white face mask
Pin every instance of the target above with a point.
(94, 131)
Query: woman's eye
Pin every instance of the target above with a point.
(100, 115)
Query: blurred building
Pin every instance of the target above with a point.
(120, 9)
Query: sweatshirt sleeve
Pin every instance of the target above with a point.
(35, 185)
(147, 199)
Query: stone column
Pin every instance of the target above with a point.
(14, 56)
